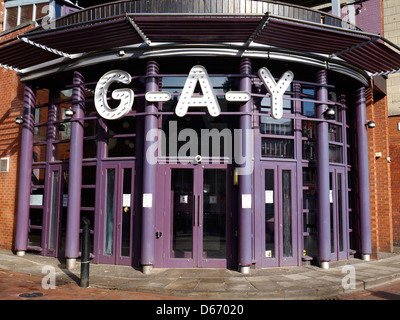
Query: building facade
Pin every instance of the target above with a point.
(231, 135)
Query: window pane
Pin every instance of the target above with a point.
(283, 127)
(335, 154)
(121, 147)
(26, 14)
(287, 213)
(39, 153)
(277, 148)
(269, 214)
(109, 218)
(12, 17)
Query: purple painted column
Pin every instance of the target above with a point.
(245, 180)
(149, 175)
(25, 171)
(363, 174)
(323, 204)
(75, 171)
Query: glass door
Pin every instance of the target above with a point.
(56, 213)
(116, 213)
(338, 214)
(197, 217)
(279, 215)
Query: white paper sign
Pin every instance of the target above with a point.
(147, 200)
(246, 201)
(126, 200)
(269, 196)
(65, 200)
(36, 200)
(331, 196)
(184, 199)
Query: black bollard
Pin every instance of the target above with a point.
(85, 255)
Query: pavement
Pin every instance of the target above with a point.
(22, 277)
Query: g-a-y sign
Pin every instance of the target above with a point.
(197, 75)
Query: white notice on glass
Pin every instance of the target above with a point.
(330, 196)
(126, 200)
(269, 196)
(246, 201)
(36, 200)
(147, 200)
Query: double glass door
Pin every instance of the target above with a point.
(116, 213)
(198, 216)
(278, 210)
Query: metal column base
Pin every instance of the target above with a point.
(324, 265)
(71, 263)
(20, 253)
(147, 269)
(244, 270)
(365, 257)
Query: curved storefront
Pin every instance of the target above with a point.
(197, 139)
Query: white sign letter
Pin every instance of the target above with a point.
(276, 90)
(125, 95)
(208, 99)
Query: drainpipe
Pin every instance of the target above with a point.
(25, 172)
(323, 204)
(363, 175)
(245, 178)
(75, 172)
(149, 175)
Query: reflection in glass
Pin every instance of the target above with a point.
(54, 209)
(214, 214)
(269, 214)
(126, 213)
(109, 222)
(287, 213)
(183, 210)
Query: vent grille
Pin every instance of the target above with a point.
(4, 164)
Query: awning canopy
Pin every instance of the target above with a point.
(367, 51)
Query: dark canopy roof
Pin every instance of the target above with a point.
(366, 51)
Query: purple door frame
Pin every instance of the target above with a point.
(277, 224)
(197, 259)
(118, 204)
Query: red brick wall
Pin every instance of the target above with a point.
(11, 106)
(394, 138)
(380, 177)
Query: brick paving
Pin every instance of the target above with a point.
(13, 284)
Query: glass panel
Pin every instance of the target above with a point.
(126, 213)
(26, 14)
(282, 127)
(121, 147)
(309, 129)
(335, 154)
(89, 175)
(54, 209)
(39, 134)
(35, 238)
(309, 150)
(88, 196)
(64, 209)
(42, 10)
(309, 177)
(39, 153)
(269, 214)
(335, 133)
(214, 214)
(109, 214)
(42, 96)
(12, 17)
(41, 114)
(38, 176)
(36, 217)
(61, 151)
(340, 210)
(183, 204)
(277, 148)
(287, 213)
(89, 149)
(90, 128)
(308, 107)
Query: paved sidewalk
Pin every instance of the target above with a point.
(307, 282)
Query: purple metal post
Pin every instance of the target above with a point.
(245, 180)
(75, 169)
(363, 175)
(25, 171)
(149, 174)
(323, 204)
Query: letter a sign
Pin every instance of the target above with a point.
(198, 74)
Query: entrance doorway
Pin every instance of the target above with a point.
(338, 216)
(278, 210)
(116, 213)
(199, 217)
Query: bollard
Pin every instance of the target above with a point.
(85, 254)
